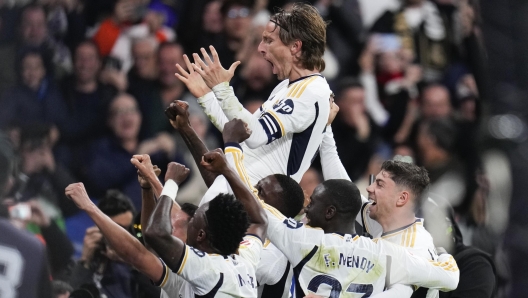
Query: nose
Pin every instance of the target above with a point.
(369, 188)
(261, 48)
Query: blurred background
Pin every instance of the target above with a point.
(83, 86)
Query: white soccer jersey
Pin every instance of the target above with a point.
(334, 265)
(274, 273)
(286, 131)
(212, 275)
(413, 237)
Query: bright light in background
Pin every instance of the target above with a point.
(507, 127)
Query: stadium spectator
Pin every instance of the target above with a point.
(99, 264)
(61, 289)
(23, 256)
(35, 100)
(87, 99)
(107, 161)
(355, 133)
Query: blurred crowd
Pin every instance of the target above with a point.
(84, 86)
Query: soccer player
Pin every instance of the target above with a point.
(330, 260)
(274, 272)
(393, 198)
(23, 260)
(289, 126)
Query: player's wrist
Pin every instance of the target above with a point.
(170, 189)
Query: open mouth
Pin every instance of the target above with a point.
(371, 201)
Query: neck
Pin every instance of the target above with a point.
(298, 72)
(397, 221)
(344, 226)
(130, 145)
(86, 87)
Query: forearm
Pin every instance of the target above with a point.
(148, 203)
(60, 249)
(125, 245)
(232, 109)
(212, 109)
(330, 162)
(198, 149)
(159, 231)
(372, 103)
(251, 204)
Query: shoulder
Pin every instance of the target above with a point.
(313, 87)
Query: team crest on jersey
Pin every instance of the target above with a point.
(284, 106)
(292, 223)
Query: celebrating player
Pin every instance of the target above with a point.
(274, 272)
(289, 126)
(332, 260)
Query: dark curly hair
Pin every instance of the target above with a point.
(303, 22)
(227, 223)
(292, 196)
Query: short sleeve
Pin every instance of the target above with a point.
(250, 249)
(198, 269)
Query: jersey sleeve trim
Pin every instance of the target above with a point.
(164, 277)
(240, 168)
(232, 144)
(283, 130)
(183, 259)
(254, 236)
(273, 211)
(271, 126)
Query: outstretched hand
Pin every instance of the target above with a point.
(176, 172)
(193, 80)
(236, 130)
(215, 161)
(178, 114)
(77, 193)
(212, 71)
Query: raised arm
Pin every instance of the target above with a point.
(216, 161)
(178, 113)
(200, 90)
(124, 244)
(158, 233)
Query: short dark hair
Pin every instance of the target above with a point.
(303, 22)
(292, 196)
(227, 4)
(344, 195)
(227, 223)
(189, 209)
(443, 131)
(168, 44)
(7, 157)
(408, 175)
(345, 84)
(115, 203)
(87, 42)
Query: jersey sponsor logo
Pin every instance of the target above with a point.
(292, 223)
(284, 106)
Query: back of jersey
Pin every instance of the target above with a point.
(342, 266)
(23, 264)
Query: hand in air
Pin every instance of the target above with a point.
(77, 193)
(143, 181)
(215, 161)
(178, 114)
(236, 131)
(212, 71)
(194, 82)
(145, 168)
(176, 172)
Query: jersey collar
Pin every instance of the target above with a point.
(402, 228)
(305, 77)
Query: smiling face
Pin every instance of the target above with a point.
(383, 193)
(125, 118)
(276, 52)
